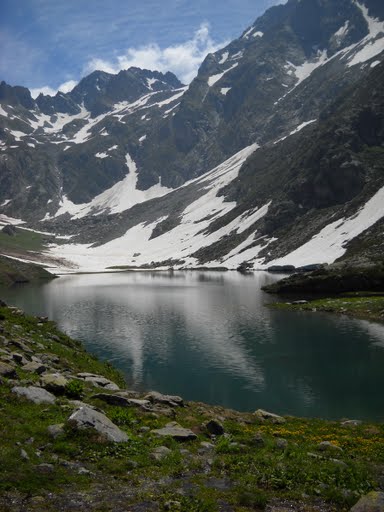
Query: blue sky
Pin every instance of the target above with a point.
(53, 43)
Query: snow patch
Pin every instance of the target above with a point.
(224, 58)
(215, 78)
(258, 34)
(375, 63)
(329, 244)
(3, 112)
(101, 155)
(225, 90)
(343, 30)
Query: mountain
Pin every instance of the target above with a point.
(272, 155)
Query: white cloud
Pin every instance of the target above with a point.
(64, 87)
(182, 59)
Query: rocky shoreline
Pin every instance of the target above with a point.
(74, 438)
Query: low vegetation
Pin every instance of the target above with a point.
(245, 461)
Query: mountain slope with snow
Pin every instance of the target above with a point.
(273, 154)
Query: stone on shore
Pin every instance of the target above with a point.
(98, 381)
(263, 415)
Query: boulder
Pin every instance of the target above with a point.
(214, 427)
(170, 400)
(98, 381)
(121, 401)
(36, 395)
(6, 370)
(56, 430)
(371, 502)
(85, 417)
(34, 367)
(160, 453)
(176, 431)
(263, 415)
(54, 382)
(328, 446)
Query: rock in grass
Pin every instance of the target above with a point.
(121, 401)
(56, 430)
(263, 415)
(85, 417)
(372, 502)
(36, 395)
(34, 367)
(215, 427)
(176, 431)
(98, 381)
(160, 453)
(54, 382)
(6, 370)
(328, 446)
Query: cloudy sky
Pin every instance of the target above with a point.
(51, 44)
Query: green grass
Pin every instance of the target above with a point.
(368, 306)
(254, 475)
(23, 240)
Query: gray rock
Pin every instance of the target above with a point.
(34, 367)
(56, 430)
(19, 358)
(54, 382)
(281, 443)
(371, 502)
(263, 415)
(174, 430)
(214, 427)
(160, 453)
(45, 468)
(328, 446)
(85, 417)
(98, 381)
(258, 440)
(120, 400)
(24, 454)
(6, 370)
(172, 505)
(36, 395)
(172, 401)
(351, 423)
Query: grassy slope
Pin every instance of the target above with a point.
(13, 271)
(237, 471)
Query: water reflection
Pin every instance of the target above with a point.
(208, 336)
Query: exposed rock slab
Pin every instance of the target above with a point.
(176, 431)
(263, 415)
(170, 400)
(85, 417)
(54, 382)
(372, 502)
(98, 381)
(6, 370)
(121, 401)
(36, 395)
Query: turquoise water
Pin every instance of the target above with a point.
(209, 337)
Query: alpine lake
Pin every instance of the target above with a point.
(210, 337)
